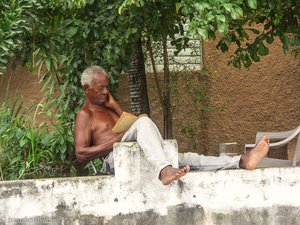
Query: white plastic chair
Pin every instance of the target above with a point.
(285, 137)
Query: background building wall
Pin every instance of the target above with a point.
(265, 97)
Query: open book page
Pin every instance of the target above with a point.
(125, 121)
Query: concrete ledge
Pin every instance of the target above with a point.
(135, 196)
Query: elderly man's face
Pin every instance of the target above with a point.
(97, 93)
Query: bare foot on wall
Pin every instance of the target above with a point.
(170, 174)
(251, 159)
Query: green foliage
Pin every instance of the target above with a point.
(155, 21)
(12, 28)
(58, 40)
(190, 90)
(64, 38)
(28, 150)
(234, 20)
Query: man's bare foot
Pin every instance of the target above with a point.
(251, 159)
(170, 174)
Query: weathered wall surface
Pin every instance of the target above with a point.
(135, 196)
(265, 97)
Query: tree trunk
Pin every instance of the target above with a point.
(168, 126)
(159, 92)
(137, 81)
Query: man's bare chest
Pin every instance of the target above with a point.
(103, 121)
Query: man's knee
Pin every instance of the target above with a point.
(144, 120)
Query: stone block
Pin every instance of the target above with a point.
(132, 167)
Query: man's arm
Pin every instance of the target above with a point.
(83, 136)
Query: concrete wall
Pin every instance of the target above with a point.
(135, 196)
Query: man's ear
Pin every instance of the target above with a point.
(85, 88)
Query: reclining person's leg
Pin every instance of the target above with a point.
(249, 160)
(147, 135)
(201, 162)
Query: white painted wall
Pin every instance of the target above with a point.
(262, 196)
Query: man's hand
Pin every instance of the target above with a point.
(112, 104)
(119, 136)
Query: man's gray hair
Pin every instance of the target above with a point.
(88, 74)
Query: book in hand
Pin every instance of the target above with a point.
(125, 121)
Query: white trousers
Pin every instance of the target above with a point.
(146, 134)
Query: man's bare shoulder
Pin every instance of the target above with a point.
(84, 114)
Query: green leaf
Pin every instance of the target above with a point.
(23, 141)
(185, 11)
(210, 16)
(222, 27)
(203, 33)
(262, 49)
(3, 60)
(224, 47)
(4, 48)
(246, 60)
(234, 15)
(227, 6)
(271, 4)
(61, 141)
(270, 39)
(133, 30)
(285, 41)
(178, 6)
(252, 4)
(253, 55)
(255, 31)
(72, 31)
(9, 41)
(221, 18)
(239, 10)
(237, 62)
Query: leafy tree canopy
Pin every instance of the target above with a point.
(236, 21)
(63, 35)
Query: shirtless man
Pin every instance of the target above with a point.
(94, 137)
